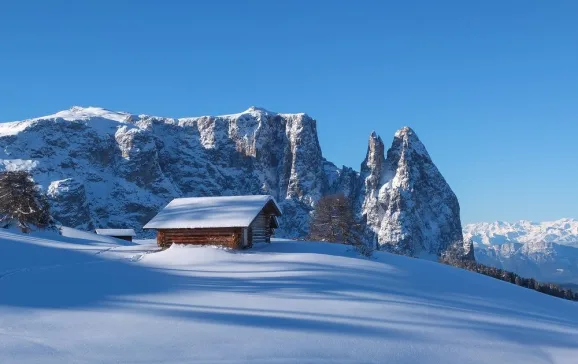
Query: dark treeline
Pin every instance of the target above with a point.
(531, 283)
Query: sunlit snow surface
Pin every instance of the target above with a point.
(70, 299)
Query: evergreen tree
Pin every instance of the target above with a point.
(531, 283)
(334, 221)
(21, 201)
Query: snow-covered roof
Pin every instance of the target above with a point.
(116, 232)
(210, 212)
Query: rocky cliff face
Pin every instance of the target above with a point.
(407, 204)
(112, 169)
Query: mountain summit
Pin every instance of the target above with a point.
(102, 168)
(408, 204)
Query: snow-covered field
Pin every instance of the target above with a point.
(71, 299)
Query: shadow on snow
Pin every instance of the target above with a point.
(446, 297)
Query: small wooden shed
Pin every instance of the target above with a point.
(232, 221)
(124, 234)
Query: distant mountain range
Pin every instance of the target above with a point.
(547, 251)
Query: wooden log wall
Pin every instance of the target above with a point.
(228, 237)
(261, 228)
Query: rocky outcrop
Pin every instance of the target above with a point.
(69, 204)
(406, 202)
(110, 169)
(469, 251)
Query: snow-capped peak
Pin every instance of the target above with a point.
(97, 118)
(257, 112)
(254, 111)
(409, 139)
(406, 130)
(84, 113)
(563, 231)
(257, 109)
(406, 201)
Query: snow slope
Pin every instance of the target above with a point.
(287, 302)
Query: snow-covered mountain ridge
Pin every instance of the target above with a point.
(102, 168)
(547, 251)
(562, 231)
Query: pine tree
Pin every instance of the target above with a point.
(334, 221)
(21, 201)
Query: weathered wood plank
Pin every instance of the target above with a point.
(230, 237)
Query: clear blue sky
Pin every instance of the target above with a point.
(491, 87)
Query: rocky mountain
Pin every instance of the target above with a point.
(547, 251)
(113, 169)
(405, 200)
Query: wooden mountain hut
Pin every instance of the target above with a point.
(232, 221)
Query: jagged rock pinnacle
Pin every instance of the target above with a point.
(406, 201)
(406, 130)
